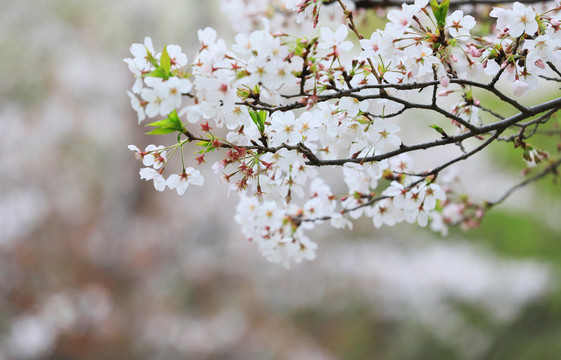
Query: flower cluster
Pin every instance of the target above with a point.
(276, 107)
(154, 157)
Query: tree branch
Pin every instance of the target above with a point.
(551, 169)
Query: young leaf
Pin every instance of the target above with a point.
(262, 118)
(440, 11)
(165, 61)
(151, 58)
(439, 130)
(165, 123)
(161, 131)
(172, 116)
(259, 119)
(159, 72)
(207, 147)
(171, 123)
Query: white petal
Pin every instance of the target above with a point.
(147, 173)
(172, 181)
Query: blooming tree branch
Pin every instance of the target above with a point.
(276, 107)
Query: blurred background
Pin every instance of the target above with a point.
(96, 264)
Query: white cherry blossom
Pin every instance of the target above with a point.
(157, 99)
(153, 174)
(383, 134)
(181, 182)
(137, 106)
(458, 24)
(335, 40)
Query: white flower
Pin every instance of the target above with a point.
(140, 53)
(176, 87)
(521, 19)
(380, 44)
(540, 50)
(153, 156)
(384, 213)
(306, 249)
(338, 221)
(502, 17)
(403, 18)
(402, 197)
(519, 87)
(135, 103)
(352, 106)
(137, 153)
(181, 182)
(156, 101)
(152, 174)
(307, 125)
(458, 24)
(283, 129)
(361, 178)
(207, 36)
(177, 58)
(433, 192)
(335, 39)
(384, 134)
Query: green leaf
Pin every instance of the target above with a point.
(152, 59)
(262, 117)
(207, 147)
(444, 6)
(165, 61)
(435, 6)
(254, 117)
(161, 131)
(439, 130)
(174, 117)
(166, 123)
(259, 119)
(159, 72)
(440, 11)
(172, 123)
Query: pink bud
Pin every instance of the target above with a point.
(445, 92)
(539, 63)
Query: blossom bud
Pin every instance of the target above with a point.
(539, 63)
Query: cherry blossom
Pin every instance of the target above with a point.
(335, 40)
(274, 108)
(458, 24)
(283, 129)
(521, 19)
(181, 182)
(136, 105)
(157, 101)
(142, 53)
(153, 174)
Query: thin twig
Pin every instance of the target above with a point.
(552, 168)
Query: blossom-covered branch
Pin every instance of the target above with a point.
(276, 107)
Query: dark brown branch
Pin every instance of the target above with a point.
(464, 156)
(554, 68)
(549, 78)
(489, 111)
(552, 105)
(551, 169)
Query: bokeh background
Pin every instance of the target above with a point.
(95, 264)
